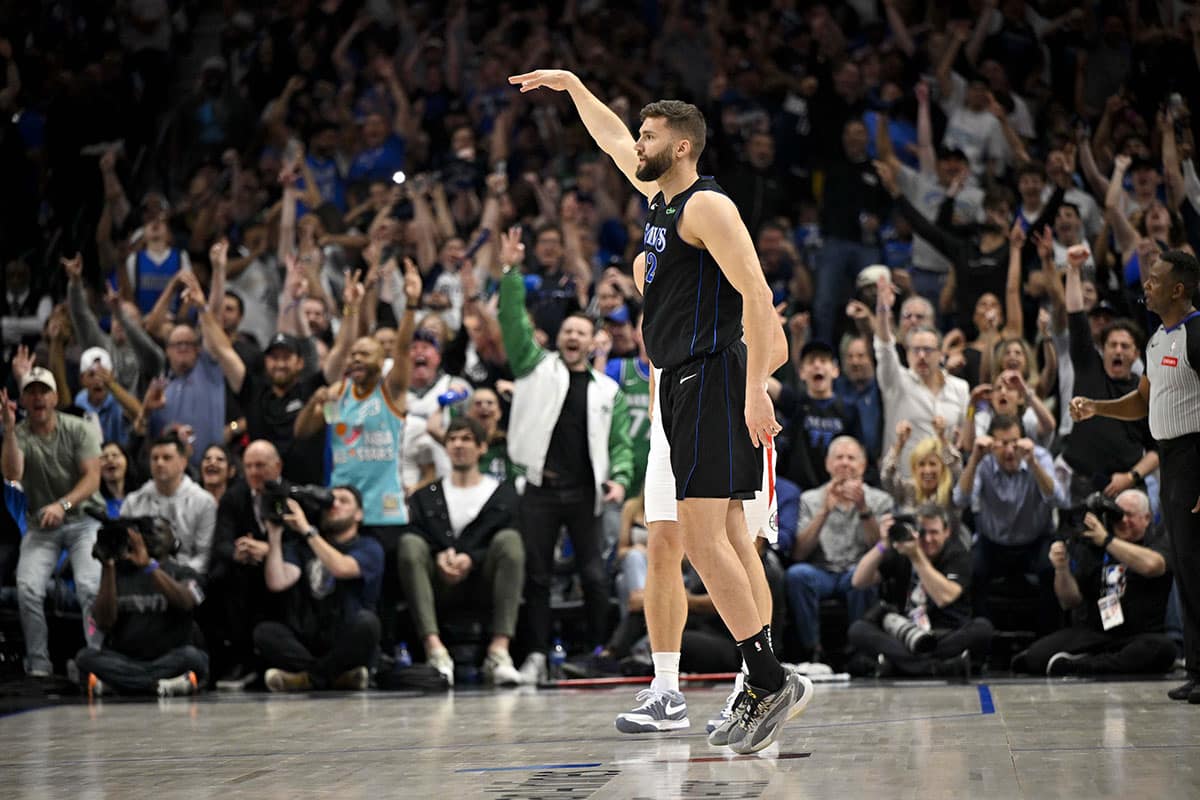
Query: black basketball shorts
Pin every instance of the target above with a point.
(703, 407)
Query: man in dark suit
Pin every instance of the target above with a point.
(237, 595)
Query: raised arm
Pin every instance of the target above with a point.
(83, 320)
(516, 331)
(397, 379)
(899, 28)
(218, 261)
(1124, 233)
(353, 292)
(1170, 158)
(151, 358)
(1014, 312)
(605, 127)
(217, 344)
(925, 150)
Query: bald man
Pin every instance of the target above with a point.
(237, 593)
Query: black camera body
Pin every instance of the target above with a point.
(313, 499)
(112, 540)
(904, 528)
(1071, 520)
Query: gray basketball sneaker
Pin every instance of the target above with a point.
(718, 727)
(660, 710)
(758, 717)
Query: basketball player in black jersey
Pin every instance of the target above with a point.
(704, 292)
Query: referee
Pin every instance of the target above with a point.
(1170, 393)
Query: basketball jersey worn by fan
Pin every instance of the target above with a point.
(365, 441)
(633, 376)
(691, 310)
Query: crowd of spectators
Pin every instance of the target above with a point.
(343, 252)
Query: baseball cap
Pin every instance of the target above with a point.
(815, 347)
(95, 357)
(285, 341)
(619, 315)
(870, 276)
(1102, 307)
(429, 337)
(39, 375)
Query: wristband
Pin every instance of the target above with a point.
(150, 567)
(881, 547)
(310, 533)
(1137, 477)
(1107, 541)
(348, 309)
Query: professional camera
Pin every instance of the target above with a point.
(915, 639)
(1071, 520)
(312, 499)
(904, 528)
(112, 540)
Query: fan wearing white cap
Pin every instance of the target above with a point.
(95, 398)
(56, 458)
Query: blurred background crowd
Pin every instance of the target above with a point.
(207, 207)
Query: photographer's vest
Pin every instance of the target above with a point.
(365, 439)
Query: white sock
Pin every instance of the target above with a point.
(745, 667)
(666, 671)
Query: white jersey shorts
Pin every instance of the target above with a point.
(762, 513)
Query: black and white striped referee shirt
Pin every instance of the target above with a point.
(1173, 367)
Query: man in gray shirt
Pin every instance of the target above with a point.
(172, 495)
(838, 523)
(56, 459)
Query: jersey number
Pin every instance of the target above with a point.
(651, 266)
(638, 417)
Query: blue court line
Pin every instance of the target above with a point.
(986, 706)
(532, 767)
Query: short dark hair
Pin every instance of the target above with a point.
(1184, 268)
(1002, 422)
(934, 511)
(683, 118)
(467, 424)
(1071, 206)
(237, 298)
(584, 315)
(1123, 324)
(1031, 167)
(170, 440)
(352, 490)
(547, 228)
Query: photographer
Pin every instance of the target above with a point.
(145, 609)
(1117, 583)
(927, 570)
(330, 631)
(171, 494)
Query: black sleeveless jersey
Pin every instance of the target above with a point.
(690, 309)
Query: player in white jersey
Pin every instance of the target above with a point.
(1169, 394)
(662, 707)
